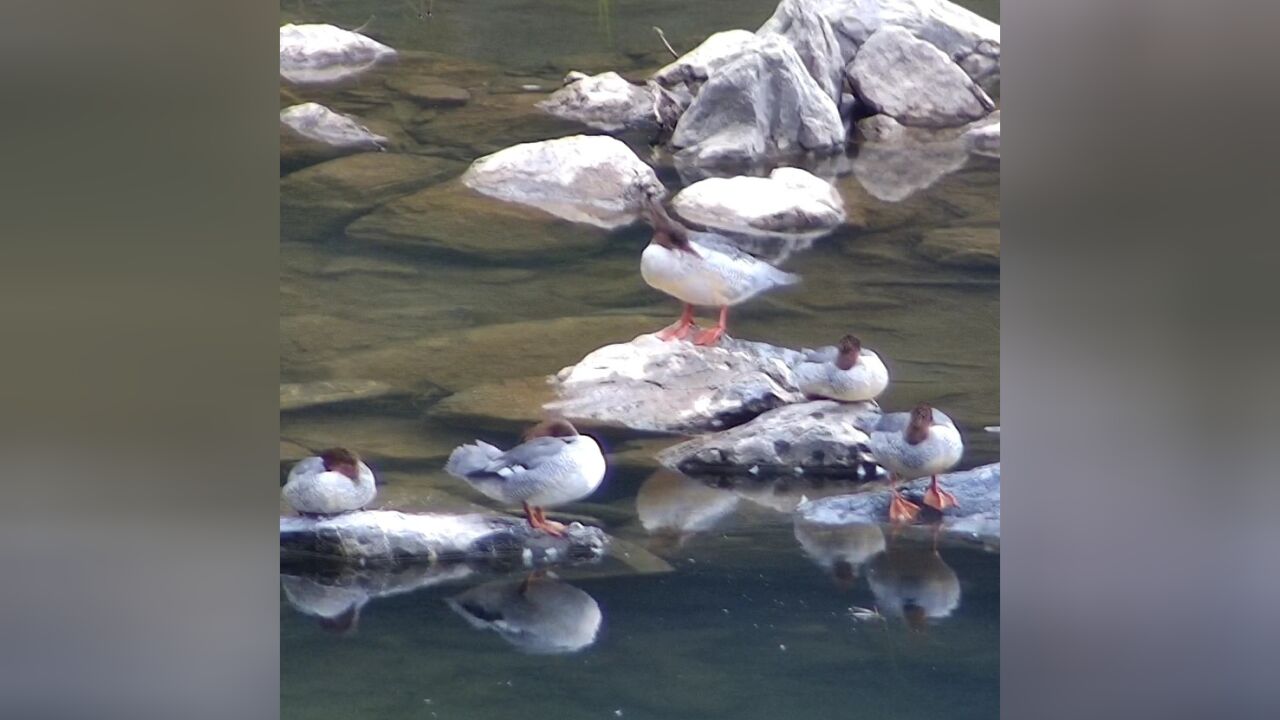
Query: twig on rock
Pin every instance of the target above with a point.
(663, 37)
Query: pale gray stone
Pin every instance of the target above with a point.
(790, 200)
(902, 76)
(606, 102)
(317, 54)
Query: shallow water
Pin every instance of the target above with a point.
(745, 624)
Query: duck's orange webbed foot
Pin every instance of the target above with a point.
(902, 510)
(539, 521)
(937, 498)
(680, 329)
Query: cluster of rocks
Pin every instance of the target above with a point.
(799, 83)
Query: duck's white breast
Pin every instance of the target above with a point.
(679, 274)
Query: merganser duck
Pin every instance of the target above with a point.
(539, 615)
(914, 583)
(702, 269)
(846, 372)
(334, 482)
(912, 445)
(555, 465)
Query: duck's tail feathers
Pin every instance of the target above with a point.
(782, 277)
(466, 460)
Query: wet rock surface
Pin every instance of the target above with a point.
(389, 537)
(318, 54)
(976, 248)
(429, 91)
(657, 386)
(820, 438)
(605, 102)
(790, 200)
(311, 133)
(296, 396)
(976, 518)
(593, 179)
(915, 83)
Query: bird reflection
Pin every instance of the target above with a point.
(839, 549)
(336, 607)
(538, 615)
(912, 581)
(673, 508)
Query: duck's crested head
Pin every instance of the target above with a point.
(341, 460)
(915, 616)
(850, 347)
(921, 421)
(555, 427)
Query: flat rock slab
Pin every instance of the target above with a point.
(387, 536)
(820, 438)
(977, 517)
(318, 54)
(676, 387)
(297, 396)
(429, 91)
(593, 179)
(790, 200)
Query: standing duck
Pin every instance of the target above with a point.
(912, 445)
(701, 269)
(846, 372)
(334, 482)
(555, 465)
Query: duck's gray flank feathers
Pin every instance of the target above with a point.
(471, 458)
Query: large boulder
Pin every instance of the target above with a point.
(815, 42)
(605, 102)
(687, 73)
(317, 54)
(311, 133)
(967, 38)
(657, 386)
(914, 82)
(984, 139)
(764, 103)
(819, 438)
(790, 200)
(592, 179)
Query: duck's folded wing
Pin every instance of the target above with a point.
(525, 458)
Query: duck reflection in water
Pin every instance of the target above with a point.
(672, 508)
(913, 582)
(840, 549)
(336, 608)
(539, 615)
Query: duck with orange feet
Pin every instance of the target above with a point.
(702, 269)
(910, 445)
(554, 465)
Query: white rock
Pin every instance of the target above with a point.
(317, 54)
(695, 66)
(914, 82)
(605, 102)
(984, 140)
(763, 103)
(814, 40)
(790, 200)
(593, 179)
(318, 124)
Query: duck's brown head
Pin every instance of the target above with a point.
(850, 348)
(921, 421)
(343, 461)
(557, 427)
(667, 232)
(915, 617)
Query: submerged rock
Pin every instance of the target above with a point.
(387, 536)
(593, 179)
(760, 104)
(790, 200)
(914, 82)
(311, 133)
(976, 248)
(605, 102)
(977, 516)
(297, 396)
(429, 91)
(317, 54)
(657, 386)
(819, 438)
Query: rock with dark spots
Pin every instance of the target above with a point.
(452, 219)
(317, 54)
(657, 386)
(385, 536)
(321, 200)
(818, 438)
(790, 200)
(605, 102)
(976, 248)
(298, 396)
(915, 83)
(976, 517)
(311, 133)
(761, 104)
(593, 179)
(428, 91)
